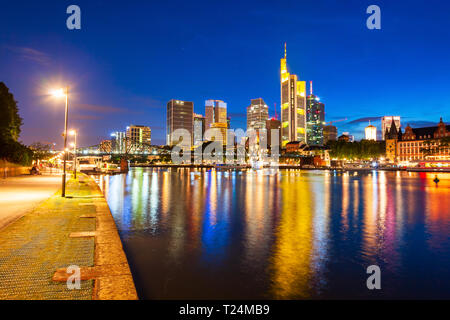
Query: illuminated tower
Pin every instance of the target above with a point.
(293, 104)
(315, 117)
(371, 132)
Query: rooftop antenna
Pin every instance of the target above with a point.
(310, 87)
(285, 50)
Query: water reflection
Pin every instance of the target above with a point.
(287, 234)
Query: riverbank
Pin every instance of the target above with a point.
(78, 230)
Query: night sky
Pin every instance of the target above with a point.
(131, 57)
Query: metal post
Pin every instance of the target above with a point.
(63, 194)
(75, 157)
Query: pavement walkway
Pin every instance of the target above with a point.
(19, 195)
(78, 230)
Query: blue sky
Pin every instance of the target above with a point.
(131, 57)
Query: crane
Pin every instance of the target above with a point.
(331, 122)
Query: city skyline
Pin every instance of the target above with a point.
(372, 75)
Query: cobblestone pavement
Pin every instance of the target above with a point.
(34, 246)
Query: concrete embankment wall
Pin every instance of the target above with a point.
(8, 169)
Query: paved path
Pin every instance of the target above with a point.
(19, 195)
(79, 230)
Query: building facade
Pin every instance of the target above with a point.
(273, 124)
(215, 112)
(138, 139)
(370, 132)
(315, 117)
(330, 133)
(293, 105)
(199, 129)
(180, 115)
(428, 143)
(386, 122)
(257, 114)
(118, 142)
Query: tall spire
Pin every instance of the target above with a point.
(285, 50)
(310, 87)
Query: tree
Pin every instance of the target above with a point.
(360, 150)
(40, 150)
(10, 121)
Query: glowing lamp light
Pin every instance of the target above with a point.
(58, 93)
(72, 132)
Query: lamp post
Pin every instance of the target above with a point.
(74, 133)
(61, 93)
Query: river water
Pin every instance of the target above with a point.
(284, 234)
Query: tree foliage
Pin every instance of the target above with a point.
(358, 150)
(40, 150)
(10, 123)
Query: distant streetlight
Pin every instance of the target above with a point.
(59, 93)
(74, 133)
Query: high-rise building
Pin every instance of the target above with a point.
(138, 139)
(118, 142)
(386, 124)
(370, 132)
(221, 128)
(330, 133)
(199, 129)
(293, 104)
(273, 124)
(215, 112)
(315, 117)
(180, 115)
(257, 114)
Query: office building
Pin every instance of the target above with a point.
(257, 114)
(330, 133)
(118, 142)
(315, 117)
(199, 129)
(138, 139)
(180, 115)
(215, 112)
(273, 124)
(293, 105)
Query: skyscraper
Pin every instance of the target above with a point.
(199, 129)
(180, 115)
(273, 124)
(257, 114)
(138, 138)
(118, 142)
(315, 117)
(293, 103)
(215, 112)
(330, 133)
(386, 124)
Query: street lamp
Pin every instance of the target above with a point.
(74, 133)
(58, 94)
